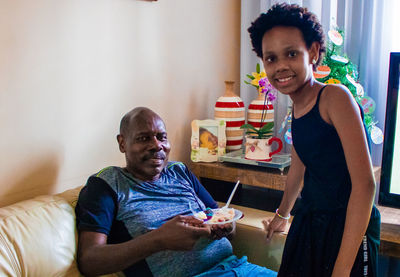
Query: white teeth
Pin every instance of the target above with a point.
(284, 79)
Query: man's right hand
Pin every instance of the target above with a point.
(181, 232)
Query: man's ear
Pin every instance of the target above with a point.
(121, 143)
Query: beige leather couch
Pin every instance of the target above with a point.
(38, 237)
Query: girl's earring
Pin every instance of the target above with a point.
(314, 61)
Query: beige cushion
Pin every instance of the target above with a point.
(38, 238)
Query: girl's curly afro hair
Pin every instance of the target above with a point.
(292, 16)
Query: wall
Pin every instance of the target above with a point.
(70, 69)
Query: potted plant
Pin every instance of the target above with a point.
(259, 138)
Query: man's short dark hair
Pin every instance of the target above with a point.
(291, 16)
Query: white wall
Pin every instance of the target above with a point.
(70, 69)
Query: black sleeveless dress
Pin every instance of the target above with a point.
(314, 238)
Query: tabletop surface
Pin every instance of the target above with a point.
(275, 179)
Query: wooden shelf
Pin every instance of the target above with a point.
(249, 175)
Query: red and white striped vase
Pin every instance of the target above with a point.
(255, 112)
(230, 108)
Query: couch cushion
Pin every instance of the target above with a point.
(71, 195)
(38, 238)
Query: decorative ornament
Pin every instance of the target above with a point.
(322, 71)
(359, 88)
(368, 105)
(284, 123)
(332, 81)
(335, 37)
(259, 112)
(288, 136)
(376, 135)
(230, 108)
(286, 120)
(339, 59)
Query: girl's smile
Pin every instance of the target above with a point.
(284, 81)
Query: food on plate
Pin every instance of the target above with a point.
(210, 216)
(222, 215)
(201, 215)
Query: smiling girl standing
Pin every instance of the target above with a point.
(336, 229)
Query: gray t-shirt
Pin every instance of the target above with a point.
(133, 207)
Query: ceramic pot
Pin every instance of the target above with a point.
(260, 149)
(230, 108)
(255, 112)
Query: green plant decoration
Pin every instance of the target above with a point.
(264, 132)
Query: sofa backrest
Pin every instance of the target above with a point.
(38, 238)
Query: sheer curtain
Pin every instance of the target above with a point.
(369, 27)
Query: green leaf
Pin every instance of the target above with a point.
(248, 126)
(258, 68)
(266, 135)
(267, 127)
(247, 82)
(250, 76)
(250, 133)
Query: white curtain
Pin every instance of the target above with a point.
(370, 36)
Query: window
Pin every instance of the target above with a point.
(390, 176)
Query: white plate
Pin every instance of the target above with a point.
(238, 215)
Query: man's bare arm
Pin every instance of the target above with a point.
(96, 257)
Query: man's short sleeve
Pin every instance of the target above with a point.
(201, 192)
(96, 207)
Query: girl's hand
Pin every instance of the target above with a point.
(276, 224)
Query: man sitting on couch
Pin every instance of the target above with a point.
(135, 219)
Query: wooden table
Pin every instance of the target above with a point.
(275, 179)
